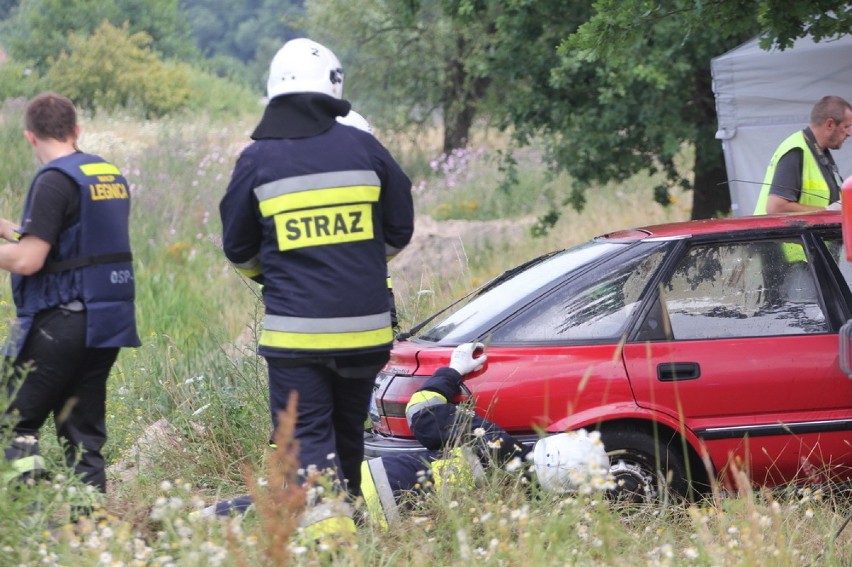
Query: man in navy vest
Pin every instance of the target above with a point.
(73, 286)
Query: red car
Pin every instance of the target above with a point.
(689, 346)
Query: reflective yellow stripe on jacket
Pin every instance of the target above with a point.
(328, 333)
(250, 268)
(321, 208)
(422, 399)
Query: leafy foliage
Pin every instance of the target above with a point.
(113, 69)
(615, 87)
(39, 30)
(393, 64)
(239, 39)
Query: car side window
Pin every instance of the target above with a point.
(751, 289)
(838, 252)
(598, 311)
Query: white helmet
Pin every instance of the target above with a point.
(570, 462)
(304, 66)
(356, 120)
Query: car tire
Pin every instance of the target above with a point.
(633, 456)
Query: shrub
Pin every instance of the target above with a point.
(113, 69)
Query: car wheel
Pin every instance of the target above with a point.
(633, 457)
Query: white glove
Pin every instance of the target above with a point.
(462, 360)
(835, 206)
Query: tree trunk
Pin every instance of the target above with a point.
(461, 97)
(711, 196)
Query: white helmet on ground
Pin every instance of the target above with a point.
(356, 120)
(304, 66)
(571, 462)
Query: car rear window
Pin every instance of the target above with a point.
(470, 319)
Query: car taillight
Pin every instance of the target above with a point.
(390, 397)
(394, 409)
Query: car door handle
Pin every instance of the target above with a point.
(677, 371)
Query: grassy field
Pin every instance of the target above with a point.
(187, 411)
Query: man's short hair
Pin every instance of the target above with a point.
(833, 107)
(51, 115)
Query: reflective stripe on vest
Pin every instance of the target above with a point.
(460, 468)
(421, 400)
(326, 333)
(23, 466)
(378, 494)
(102, 168)
(815, 190)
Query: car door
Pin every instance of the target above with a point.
(740, 347)
(560, 355)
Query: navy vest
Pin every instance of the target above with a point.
(91, 261)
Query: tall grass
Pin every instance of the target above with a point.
(187, 411)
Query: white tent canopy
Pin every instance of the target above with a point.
(764, 96)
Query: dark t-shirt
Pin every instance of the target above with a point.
(787, 181)
(55, 206)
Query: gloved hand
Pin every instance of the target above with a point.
(462, 360)
(835, 206)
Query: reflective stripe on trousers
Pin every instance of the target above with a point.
(378, 494)
(25, 466)
(327, 519)
(460, 468)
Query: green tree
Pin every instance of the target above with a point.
(406, 61)
(38, 30)
(113, 68)
(239, 39)
(652, 62)
(614, 88)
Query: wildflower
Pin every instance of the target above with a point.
(478, 432)
(201, 409)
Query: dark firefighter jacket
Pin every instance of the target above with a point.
(312, 211)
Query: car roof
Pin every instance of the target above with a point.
(730, 224)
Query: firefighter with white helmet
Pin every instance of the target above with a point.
(312, 211)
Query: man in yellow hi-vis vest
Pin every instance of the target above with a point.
(802, 175)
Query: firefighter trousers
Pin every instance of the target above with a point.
(334, 397)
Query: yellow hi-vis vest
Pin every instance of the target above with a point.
(815, 190)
